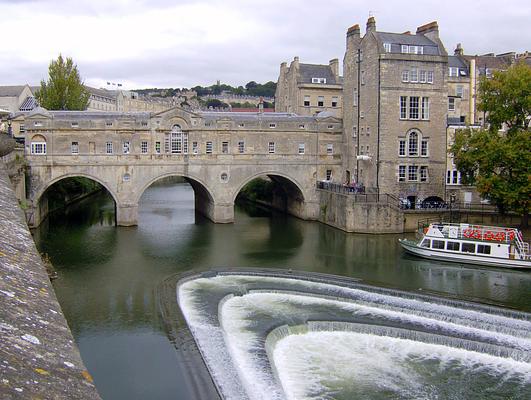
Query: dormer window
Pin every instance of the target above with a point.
(387, 47)
(272, 125)
(453, 71)
(37, 123)
(74, 124)
(318, 80)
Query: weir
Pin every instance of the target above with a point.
(282, 336)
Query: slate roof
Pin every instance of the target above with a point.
(246, 116)
(102, 92)
(398, 39)
(309, 71)
(11, 91)
(491, 62)
(28, 104)
(456, 61)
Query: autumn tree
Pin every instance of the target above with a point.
(497, 159)
(64, 89)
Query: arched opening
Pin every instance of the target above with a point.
(75, 199)
(175, 199)
(274, 192)
(433, 202)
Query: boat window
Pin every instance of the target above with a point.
(468, 248)
(484, 248)
(452, 246)
(425, 243)
(437, 244)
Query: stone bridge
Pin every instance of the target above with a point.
(218, 153)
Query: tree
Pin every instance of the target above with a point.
(499, 162)
(64, 89)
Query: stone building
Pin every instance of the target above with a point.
(17, 98)
(394, 111)
(307, 89)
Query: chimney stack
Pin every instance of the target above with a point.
(371, 25)
(354, 30)
(431, 30)
(458, 50)
(334, 66)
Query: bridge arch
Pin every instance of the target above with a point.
(199, 186)
(269, 174)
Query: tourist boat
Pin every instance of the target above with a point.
(472, 244)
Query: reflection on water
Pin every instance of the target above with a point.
(107, 276)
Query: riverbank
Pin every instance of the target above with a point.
(38, 353)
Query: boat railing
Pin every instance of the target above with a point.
(480, 232)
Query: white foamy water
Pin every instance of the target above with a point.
(326, 365)
(232, 340)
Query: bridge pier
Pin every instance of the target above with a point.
(127, 214)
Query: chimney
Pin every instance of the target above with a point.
(334, 66)
(431, 30)
(458, 50)
(353, 37)
(353, 30)
(371, 25)
(261, 105)
(295, 62)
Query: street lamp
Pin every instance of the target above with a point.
(9, 131)
(452, 201)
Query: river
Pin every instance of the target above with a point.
(108, 276)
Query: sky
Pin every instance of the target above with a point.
(184, 43)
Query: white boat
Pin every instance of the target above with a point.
(472, 244)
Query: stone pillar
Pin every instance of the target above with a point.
(222, 213)
(126, 214)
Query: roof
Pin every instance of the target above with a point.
(266, 110)
(458, 62)
(11, 91)
(309, 71)
(398, 39)
(249, 116)
(28, 104)
(491, 62)
(102, 92)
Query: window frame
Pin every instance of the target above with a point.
(208, 147)
(401, 173)
(144, 147)
(241, 146)
(302, 148)
(74, 147)
(271, 147)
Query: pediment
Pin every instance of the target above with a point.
(175, 115)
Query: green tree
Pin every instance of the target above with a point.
(499, 162)
(64, 89)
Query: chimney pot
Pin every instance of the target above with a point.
(371, 24)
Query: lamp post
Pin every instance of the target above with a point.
(9, 130)
(452, 201)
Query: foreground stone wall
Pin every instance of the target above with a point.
(342, 212)
(38, 356)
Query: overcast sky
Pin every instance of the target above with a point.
(183, 43)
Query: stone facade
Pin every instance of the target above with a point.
(395, 108)
(308, 89)
(217, 152)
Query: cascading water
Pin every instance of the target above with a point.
(278, 336)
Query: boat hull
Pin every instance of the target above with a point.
(413, 248)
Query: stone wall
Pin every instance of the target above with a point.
(39, 359)
(342, 212)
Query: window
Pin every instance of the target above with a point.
(22, 128)
(403, 107)
(74, 124)
(425, 108)
(424, 174)
(483, 248)
(368, 132)
(126, 147)
(402, 147)
(453, 71)
(330, 126)
(454, 246)
(108, 148)
(424, 148)
(363, 77)
(414, 75)
(412, 173)
(328, 174)
(329, 148)
(108, 123)
(37, 123)
(416, 50)
(429, 77)
(178, 141)
(451, 103)
(195, 148)
(144, 147)
(38, 147)
(241, 146)
(355, 97)
(74, 148)
(271, 147)
(414, 107)
(401, 173)
(425, 243)
(272, 125)
(422, 76)
(318, 80)
(144, 123)
(301, 126)
(404, 48)
(320, 101)
(241, 125)
(157, 147)
(306, 101)
(354, 131)
(413, 144)
(209, 147)
(387, 47)
(335, 101)
(459, 90)
(224, 147)
(437, 244)
(302, 148)
(405, 76)
(468, 247)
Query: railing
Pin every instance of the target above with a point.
(358, 194)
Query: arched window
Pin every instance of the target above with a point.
(413, 144)
(178, 141)
(38, 144)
